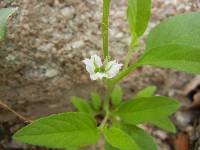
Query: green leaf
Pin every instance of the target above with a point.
(119, 139)
(142, 138)
(116, 95)
(81, 105)
(60, 131)
(4, 15)
(146, 92)
(146, 109)
(71, 149)
(96, 100)
(110, 147)
(175, 43)
(165, 123)
(139, 12)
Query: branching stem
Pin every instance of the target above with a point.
(124, 73)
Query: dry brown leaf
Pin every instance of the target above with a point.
(182, 141)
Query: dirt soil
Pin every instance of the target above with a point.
(41, 60)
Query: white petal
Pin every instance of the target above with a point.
(89, 66)
(97, 75)
(114, 68)
(110, 64)
(96, 60)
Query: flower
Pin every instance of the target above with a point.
(99, 70)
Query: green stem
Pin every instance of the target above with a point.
(103, 123)
(126, 69)
(106, 102)
(106, 105)
(110, 85)
(131, 50)
(105, 22)
(124, 73)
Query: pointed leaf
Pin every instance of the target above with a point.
(71, 149)
(116, 96)
(96, 100)
(175, 43)
(146, 109)
(4, 15)
(81, 105)
(142, 138)
(60, 131)
(139, 12)
(110, 147)
(146, 92)
(119, 139)
(165, 123)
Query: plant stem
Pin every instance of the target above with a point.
(124, 73)
(14, 112)
(105, 22)
(106, 109)
(106, 105)
(106, 102)
(103, 123)
(131, 50)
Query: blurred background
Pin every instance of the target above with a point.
(41, 65)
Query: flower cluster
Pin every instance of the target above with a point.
(99, 70)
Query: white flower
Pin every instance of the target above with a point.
(99, 70)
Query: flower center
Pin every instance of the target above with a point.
(100, 69)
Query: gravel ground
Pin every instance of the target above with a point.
(40, 62)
